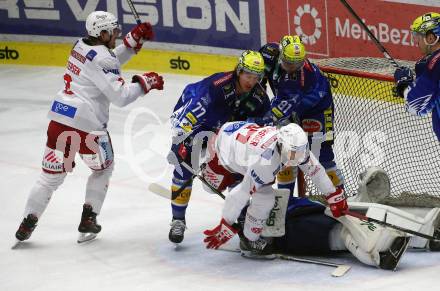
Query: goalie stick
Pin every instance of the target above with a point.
(370, 34)
(341, 269)
(134, 12)
(383, 223)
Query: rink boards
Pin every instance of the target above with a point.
(56, 54)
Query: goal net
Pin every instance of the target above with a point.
(372, 128)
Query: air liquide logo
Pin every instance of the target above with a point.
(8, 54)
(302, 12)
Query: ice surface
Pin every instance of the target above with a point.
(133, 252)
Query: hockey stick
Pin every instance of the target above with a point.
(370, 34)
(161, 191)
(134, 12)
(340, 270)
(383, 223)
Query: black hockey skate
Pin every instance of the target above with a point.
(177, 230)
(26, 228)
(88, 227)
(390, 258)
(259, 249)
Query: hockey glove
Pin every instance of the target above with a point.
(403, 77)
(219, 235)
(337, 202)
(137, 35)
(149, 81)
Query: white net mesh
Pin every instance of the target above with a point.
(373, 129)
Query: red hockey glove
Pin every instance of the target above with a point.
(137, 35)
(337, 202)
(149, 81)
(219, 235)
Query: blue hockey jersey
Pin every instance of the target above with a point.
(306, 91)
(423, 95)
(209, 103)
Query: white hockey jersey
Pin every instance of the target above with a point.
(92, 81)
(252, 151)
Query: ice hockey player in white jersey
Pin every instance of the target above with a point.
(80, 113)
(250, 156)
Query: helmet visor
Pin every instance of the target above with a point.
(291, 67)
(260, 75)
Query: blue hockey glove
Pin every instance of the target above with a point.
(403, 77)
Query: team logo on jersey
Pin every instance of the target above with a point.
(186, 125)
(267, 154)
(311, 125)
(91, 55)
(233, 127)
(63, 109)
(256, 178)
(223, 79)
(114, 71)
(191, 118)
(433, 61)
(52, 160)
(257, 230)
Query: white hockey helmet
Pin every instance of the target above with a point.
(294, 144)
(98, 21)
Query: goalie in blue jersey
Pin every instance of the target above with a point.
(302, 95)
(300, 226)
(203, 108)
(422, 91)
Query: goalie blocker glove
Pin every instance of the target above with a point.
(135, 38)
(219, 235)
(149, 81)
(403, 77)
(337, 202)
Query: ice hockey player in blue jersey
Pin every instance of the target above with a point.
(202, 109)
(301, 94)
(422, 92)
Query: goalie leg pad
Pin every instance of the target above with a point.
(422, 220)
(275, 224)
(257, 213)
(373, 244)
